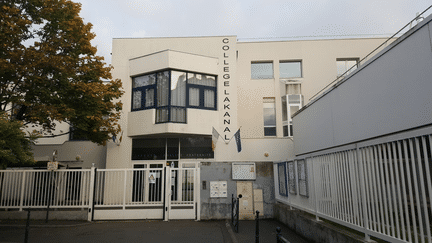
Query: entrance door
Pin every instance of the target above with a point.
(149, 191)
(183, 181)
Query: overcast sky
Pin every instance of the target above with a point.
(247, 19)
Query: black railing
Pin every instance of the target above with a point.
(235, 213)
(279, 237)
(257, 227)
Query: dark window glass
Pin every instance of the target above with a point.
(196, 147)
(172, 148)
(148, 149)
(269, 131)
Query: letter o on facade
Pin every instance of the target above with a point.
(225, 48)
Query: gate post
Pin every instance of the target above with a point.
(167, 197)
(91, 193)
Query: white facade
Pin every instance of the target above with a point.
(178, 89)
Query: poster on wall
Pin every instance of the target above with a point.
(218, 189)
(243, 171)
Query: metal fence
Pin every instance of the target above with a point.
(380, 187)
(38, 188)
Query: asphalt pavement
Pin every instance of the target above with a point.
(179, 231)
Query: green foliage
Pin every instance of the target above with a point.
(15, 144)
(49, 70)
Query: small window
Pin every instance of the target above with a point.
(344, 65)
(282, 176)
(290, 105)
(302, 178)
(261, 70)
(292, 186)
(290, 69)
(269, 111)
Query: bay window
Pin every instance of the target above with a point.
(171, 92)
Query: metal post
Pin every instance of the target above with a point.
(27, 226)
(257, 227)
(49, 196)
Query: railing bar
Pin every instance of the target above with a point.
(353, 182)
(396, 161)
(404, 193)
(393, 210)
(382, 160)
(375, 205)
(422, 183)
(388, 189)
(409, 172)
(416, 187)
(369, 188)
(379, 177)
(357, 160)
(341, 187)
(350, 186)
(331, 193)
(429, 183)
(336, 185)
(345, 187)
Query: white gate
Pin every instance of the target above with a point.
(147, 193)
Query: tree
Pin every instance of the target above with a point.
(49, 70)
(15, 144)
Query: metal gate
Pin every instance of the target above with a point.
(145, 193)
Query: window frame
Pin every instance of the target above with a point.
(269, 100)
(264, 77)
(356, 59)
(169, 106)
(291, 61)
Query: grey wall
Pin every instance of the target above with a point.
(68, 151)
(220, 208)
(389, 93)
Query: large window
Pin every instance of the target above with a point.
(197, 147)
(269, 111)
(172, 92)
(290, 105)
(343, 64)
(290, 69)
(261, 70)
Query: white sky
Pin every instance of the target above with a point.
(244, 18)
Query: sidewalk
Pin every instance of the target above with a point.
(179, 231)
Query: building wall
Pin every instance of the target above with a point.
(389, 93)
(239, 103)
(73, 154)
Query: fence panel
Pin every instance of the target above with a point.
(34, 188)
(380, 187)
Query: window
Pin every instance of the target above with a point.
(269, 111)
(292, 187)
(261, 70)
(282, 176)
(172, 92)
(291, 103)
(344, 64)
(202, 91)
(143, 89)
(290, 69)
(198, 147)
(302, 178)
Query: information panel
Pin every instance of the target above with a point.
(218, 189)
(243, 171)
